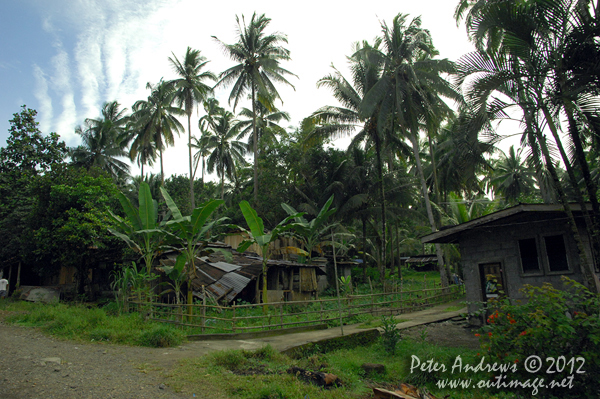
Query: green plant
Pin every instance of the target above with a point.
(257, 235)
(161, 336)
(559, 327)
(191, 234)
(140, 229)
(391, 335)
(423, 335)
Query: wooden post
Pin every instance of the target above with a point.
(203, 309)
(372, 299)
(321, 314)
(233, 320)
(337, 284)
(401, 293)
(425, 282)
(281, 314)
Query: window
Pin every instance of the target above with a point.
(556, 253)
(529, 255)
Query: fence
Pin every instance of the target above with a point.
(204, 318)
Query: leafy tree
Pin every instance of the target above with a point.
(101, 146)
(190, 90)
(258, 55)
(27, 155)
(68, 224)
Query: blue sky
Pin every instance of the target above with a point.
(65, 58)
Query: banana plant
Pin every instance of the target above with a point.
(314, 232)
(191, 234)
(140, 228)
(257, 235)
(177, 275)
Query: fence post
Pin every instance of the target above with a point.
(281, 314)
(425, 282)
(203, 309)
(233, 319)
(321, 314)
(401, 294)
(372, 299)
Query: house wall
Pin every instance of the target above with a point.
(501, 244)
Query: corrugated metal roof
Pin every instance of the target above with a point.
(230, 284)
(226, 267)
(422, 259)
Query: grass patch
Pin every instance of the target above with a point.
(262, 374)
(454, 308)
(374, 323)
(92, 324)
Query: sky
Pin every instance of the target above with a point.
(66, 58)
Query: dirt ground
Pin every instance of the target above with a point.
(34, 365)
(450, 333)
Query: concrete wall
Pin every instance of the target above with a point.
(501, 244)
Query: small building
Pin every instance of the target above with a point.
(240, 277)
(422, 263)
(525, 244)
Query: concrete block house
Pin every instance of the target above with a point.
(524, 244)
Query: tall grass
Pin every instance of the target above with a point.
(88, 323)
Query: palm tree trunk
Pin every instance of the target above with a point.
(377, 139)
(190, 154)
(255, 138)
(438, 249)
(162, 171)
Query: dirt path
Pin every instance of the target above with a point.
(33, 365)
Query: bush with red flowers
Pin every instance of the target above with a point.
(560, 327)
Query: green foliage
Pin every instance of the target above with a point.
(92, 324)
(140, 228)
(258, 235)
(558, 324)
(160, 336)
(191, 235)
(27, 155)
(314, 232)
(391, 335)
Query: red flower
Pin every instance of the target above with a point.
(490, 334)
(512, 321)
(478, 335)
(523, 333)
(516, 360)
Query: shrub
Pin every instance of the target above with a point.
(391, 335)
(161, 337)
(561, 328)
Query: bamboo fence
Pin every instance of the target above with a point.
(212, 318)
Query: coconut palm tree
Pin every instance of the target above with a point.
(191, 89)
(267, 124)
(225, 152)
(525, 51)
(154, 123)
(337, 121)
(258, 56)
(512, 178)
(410, 92)
(101, 145)
(206, 124)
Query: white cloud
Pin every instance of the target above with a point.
(45, 102)
(120, 45)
